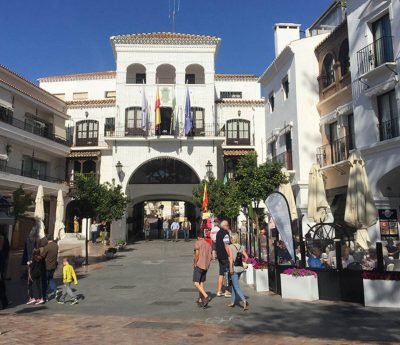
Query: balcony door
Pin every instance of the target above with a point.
(166, 118)
(133, 121)
(198, 121)
(87, 133)
(388, 116)
(383, 46)
(238, 132)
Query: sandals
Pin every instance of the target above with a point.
(245, 305)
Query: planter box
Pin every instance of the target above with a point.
(301, 288)
(261, 282)
(249, 275)
(382, 293)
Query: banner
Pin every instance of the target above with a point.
(279, 210)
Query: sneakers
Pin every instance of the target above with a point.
(227, 294)
(219, 294)
(74, 301)
(60, 302)
(31, 301)
(40, 301)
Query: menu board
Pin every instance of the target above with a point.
(388, 223)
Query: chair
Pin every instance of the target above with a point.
(390, 267)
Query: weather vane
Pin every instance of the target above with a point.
(173, 11)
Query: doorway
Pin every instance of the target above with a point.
(166, 117)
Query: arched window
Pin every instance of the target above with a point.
(133, 121)
(328, 76)
(344, 57)
(198, 120)
(194, 74)
(165, 74)
(87, 133)
(164, 171)
(136, 74)
(238, 132)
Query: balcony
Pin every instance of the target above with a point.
(335, 152)
(389, 129)
(8, 118)
(207, 130)
(34, 174)
(375, 54)
(285, 158)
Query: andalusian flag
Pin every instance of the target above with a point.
(204, 205)
(174, 121)
(157, 111)
(225, 179)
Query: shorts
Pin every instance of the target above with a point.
(199, 275)
(223, 266)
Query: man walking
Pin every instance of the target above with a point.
(50, 254)
(186, 226)
(175, 228)
(166, 229)
(221, 244)
(201, 262)
(213, 236)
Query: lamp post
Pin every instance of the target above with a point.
(209, 172)
(119, 167)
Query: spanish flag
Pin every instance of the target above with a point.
(157, 110)
(204, 205)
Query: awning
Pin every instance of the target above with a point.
(238, 152)
(84, 154)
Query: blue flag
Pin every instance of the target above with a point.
(188, 115)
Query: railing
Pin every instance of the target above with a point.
(375, 54)
(8, 117)
(31, 174)
(335, 152)
(389, 129)
(71, 177)
(206, 130)
(285, 158)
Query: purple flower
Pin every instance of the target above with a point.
(299, 272)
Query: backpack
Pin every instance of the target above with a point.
(239, 259)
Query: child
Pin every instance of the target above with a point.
(68, 276)
(35, 279)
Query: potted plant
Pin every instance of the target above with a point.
(381, 289)
(299, 283)
(260, 273)
(110, 253)
(121, 244)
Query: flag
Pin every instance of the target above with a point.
(157, 111)
(188, 114)
(145, 112)
(225, 179)
(173, 119)
(204, 205)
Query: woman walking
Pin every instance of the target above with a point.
(237, 254)
(35, 279)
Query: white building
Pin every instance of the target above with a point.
(33, 146)
(374, 52)
(292, 120)
(105, 108)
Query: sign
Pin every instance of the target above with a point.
(166, 96)
(388, 223)
(279, 210)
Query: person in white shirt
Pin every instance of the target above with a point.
(213, 236)
(93, 231)
(175, 228)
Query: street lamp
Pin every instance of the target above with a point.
(209, 170)
(119, 167)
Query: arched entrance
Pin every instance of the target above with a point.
(161, 189)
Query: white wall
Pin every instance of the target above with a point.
(250, 89)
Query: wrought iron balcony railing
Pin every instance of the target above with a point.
(389, 129)
(375, 54)
(32, 173)
(335, 152)
(285, 158)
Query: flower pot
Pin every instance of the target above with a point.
(249, 275)
(261, 282)
(301, 288)
(381, 293)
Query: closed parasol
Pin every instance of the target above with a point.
(318, 206)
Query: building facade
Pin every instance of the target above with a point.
(33, 146)
(160, 163)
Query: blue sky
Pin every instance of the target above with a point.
(53, 37)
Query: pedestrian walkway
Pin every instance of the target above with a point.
(146, 296)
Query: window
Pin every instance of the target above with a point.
(333, 132)
(198, 120)
(109, 125)
(351, 132)
(77, 96)
(37, 126)
(383, 45)
(136, 74)
(6, 114)
(271, 101)
(140, 78)
(285, 87)
(328, 76)
(238, 132)
(87, 133)
(190, 78)
(388, 116)
(111, 94)
(133, 121)
(344, 58)
(60, 96)
(230, 94)
(34, 168)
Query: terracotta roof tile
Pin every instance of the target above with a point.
(237, 152)
(155, 37)
(236, 77)
(91, 102)
(242, 102)
(90, 75)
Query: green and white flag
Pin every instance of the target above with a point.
(174, 122)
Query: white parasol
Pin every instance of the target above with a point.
(59, 227)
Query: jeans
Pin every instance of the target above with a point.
(236, 290)
(166, 234)
(186, 234)
(94, 236)
(51, 284)
(67, 291)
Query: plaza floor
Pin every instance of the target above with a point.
(145, 296)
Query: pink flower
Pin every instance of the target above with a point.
(299, 272)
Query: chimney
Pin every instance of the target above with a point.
(284, 34)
